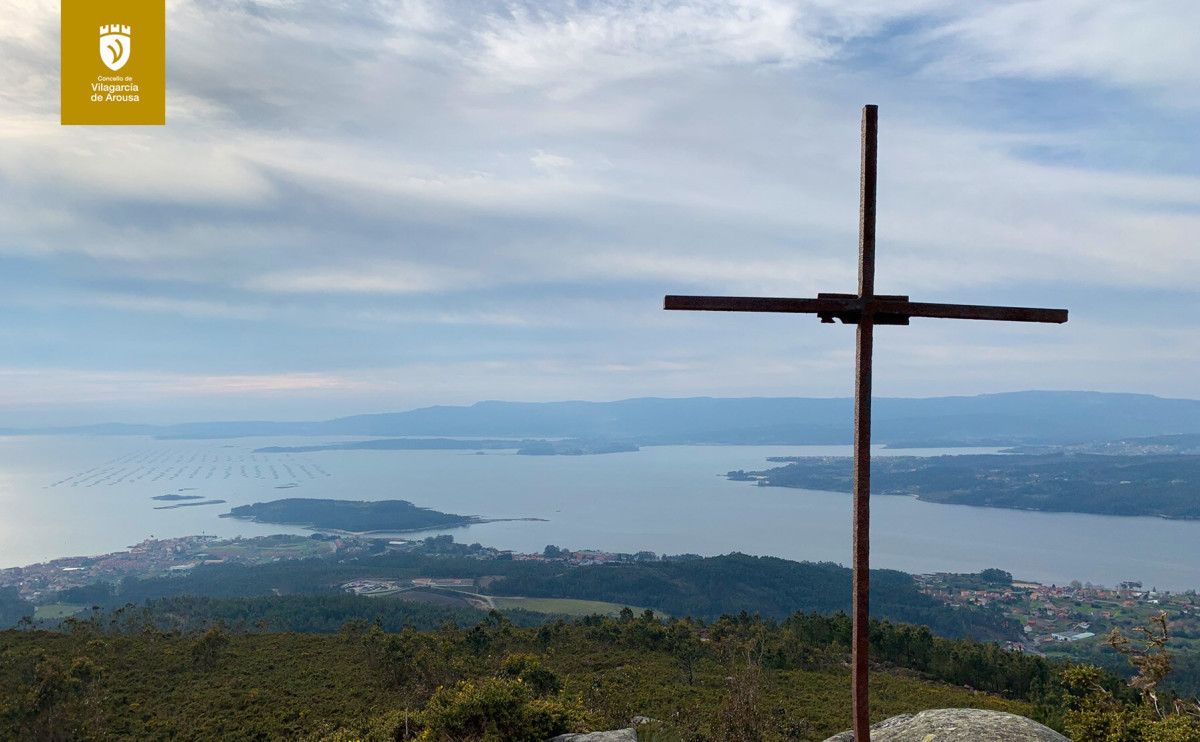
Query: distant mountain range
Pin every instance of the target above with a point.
(1034, 417)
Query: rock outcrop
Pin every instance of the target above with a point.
(957, 725)
(616, 735)
(619, 735)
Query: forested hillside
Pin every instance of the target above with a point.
(702, 588)
(769, 586)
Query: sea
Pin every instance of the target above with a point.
(66, 496)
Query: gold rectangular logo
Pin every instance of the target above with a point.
(114, 62)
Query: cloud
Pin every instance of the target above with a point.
(379, 279)
(89, 165)
(52, 386)
(428, 188)
(199, 308)
(604, 42)
(551, 163)
(1143, 46)
(786, 275)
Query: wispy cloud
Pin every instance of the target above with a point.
(51, 387)
(432, 187)
(1142, 46)
(378, 279)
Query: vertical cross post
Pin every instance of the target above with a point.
(865, 309)
(860, 601)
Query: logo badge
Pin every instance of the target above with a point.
(114, 46)
(102, 80)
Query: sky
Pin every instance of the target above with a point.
(367, 206)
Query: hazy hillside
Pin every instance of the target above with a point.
(1017, 417)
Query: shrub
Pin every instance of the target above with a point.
(499, 709)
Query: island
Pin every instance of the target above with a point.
(558, 447)
(173, 497)
(1167, 486)
(187, 504)
(351, 516)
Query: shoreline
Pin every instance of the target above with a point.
(202, 543)
(757, 480)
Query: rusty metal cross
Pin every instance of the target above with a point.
(865, 309)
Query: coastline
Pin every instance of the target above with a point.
(762, 481)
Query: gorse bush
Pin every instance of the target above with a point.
(502, 709)
(527, 668)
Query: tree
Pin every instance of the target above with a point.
(13, 607)
(684, 645)
(993, 576)
(1096, 713)
(51, 708)
(1151, 658)
(740, 717)
(208, 648)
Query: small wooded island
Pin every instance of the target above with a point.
(1167, 486)
(355, 516)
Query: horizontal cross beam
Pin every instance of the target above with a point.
(849, 308)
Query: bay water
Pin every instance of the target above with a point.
(64, 496)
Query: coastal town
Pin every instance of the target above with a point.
(1055, 617)
(156, 557)
(162, 557)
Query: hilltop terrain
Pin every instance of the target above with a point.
(136, 682)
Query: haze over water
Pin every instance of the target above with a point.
(668, 499)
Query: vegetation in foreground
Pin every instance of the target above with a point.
(1096, 713)
(117, 677)
(121, 675)
(278, 650)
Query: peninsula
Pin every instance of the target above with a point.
(1167, 486)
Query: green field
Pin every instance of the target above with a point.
(56, 611)
(562, 606)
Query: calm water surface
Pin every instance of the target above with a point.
(63, 496)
